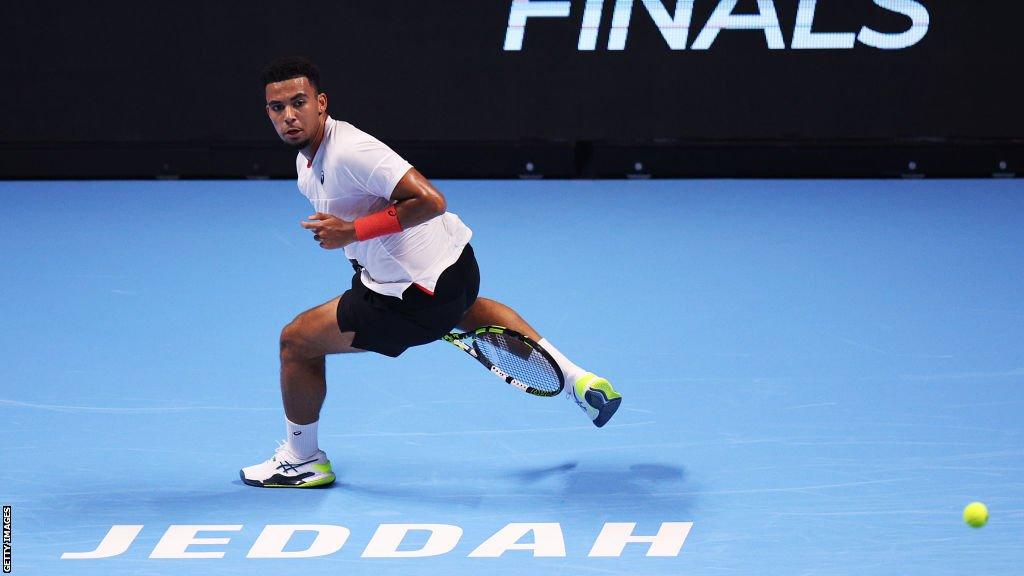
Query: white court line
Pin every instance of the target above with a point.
(112, 410)
(474, 432)
(818, 405)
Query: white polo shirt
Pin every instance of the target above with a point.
(352, 175)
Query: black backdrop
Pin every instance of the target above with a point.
(184, 76)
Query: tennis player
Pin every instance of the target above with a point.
(416, 276)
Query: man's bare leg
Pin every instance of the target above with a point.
(486, 312)
(305, 343)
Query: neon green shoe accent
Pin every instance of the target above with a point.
(596, 397)
(325, 468)
(321, 482)
(593, 382)
(580, 387)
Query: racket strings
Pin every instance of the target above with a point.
(519, 360)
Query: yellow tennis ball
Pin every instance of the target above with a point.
(976, 514)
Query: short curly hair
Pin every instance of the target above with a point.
(288, 67)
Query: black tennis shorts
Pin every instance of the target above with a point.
(389, 325)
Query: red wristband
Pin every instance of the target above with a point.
(378, 224)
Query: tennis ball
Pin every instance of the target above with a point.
(976, 514)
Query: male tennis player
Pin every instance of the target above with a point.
(416, 276)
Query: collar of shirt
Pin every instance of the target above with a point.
(328, 128)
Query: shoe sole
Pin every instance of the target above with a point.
(607, 407)
(279, 481)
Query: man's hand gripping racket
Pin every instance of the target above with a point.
(513, 357)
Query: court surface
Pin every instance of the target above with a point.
(818, 375)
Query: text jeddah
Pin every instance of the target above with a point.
(389, 540)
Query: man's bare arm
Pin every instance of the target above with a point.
(416, 202)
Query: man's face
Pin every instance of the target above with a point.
(295, 110)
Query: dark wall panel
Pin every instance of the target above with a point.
(185, 74)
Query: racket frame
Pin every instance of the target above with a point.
(455, 338)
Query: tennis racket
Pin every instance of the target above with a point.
(514, 358)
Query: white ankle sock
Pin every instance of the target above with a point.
(571, 371)
(301, 438)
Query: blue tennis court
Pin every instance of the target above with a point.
(817, 376)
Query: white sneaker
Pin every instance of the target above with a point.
(286, 470)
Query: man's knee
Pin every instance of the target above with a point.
(296, 344)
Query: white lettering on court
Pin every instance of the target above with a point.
(547, 540)
(615, 535)
(118, 539)
(272, 541)
(178, 537)
(388, 538)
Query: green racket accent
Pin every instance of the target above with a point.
(515, 358)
